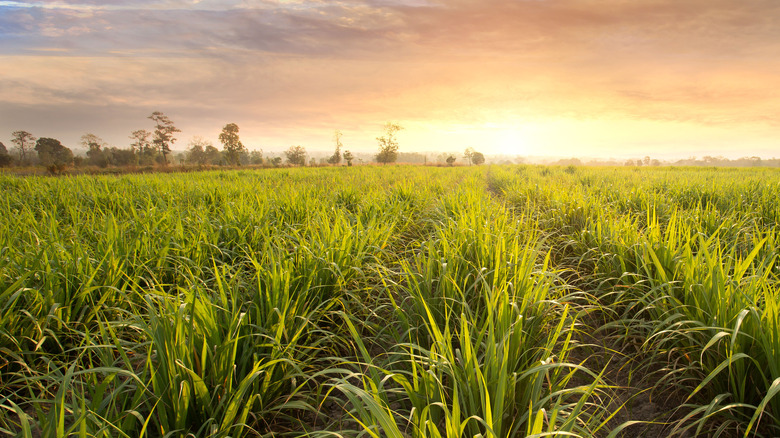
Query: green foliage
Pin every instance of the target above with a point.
(53, 155)
(473, 156)
(96, 156)
(163, 134)
(24, 142)
(5, 158)
(348, 157)
(202, 152)
(468, 154)
(142, 147)
(231, 144)
(386, 302)
(256, 157)
(480, 352)
(296, 155)
(388, 144)
(336, 157)
(686, 259)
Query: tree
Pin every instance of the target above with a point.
(296, 155)
(388, 145)
(120, 157)
(256, 157)
(412, 157)
(5, 158)
(24, 142)
(451, 160)
(163, 134)
(94, 145)
(469, 155)
(348, 157)
(196, 153)
(53, 155)
(142, 147)
(202, 152)
(477, 158)
(276, 161)
(336, 157)
(213, 155)
(231, 144)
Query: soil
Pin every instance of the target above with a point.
(632, 377)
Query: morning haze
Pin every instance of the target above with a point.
(554, 78)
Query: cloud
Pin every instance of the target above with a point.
(565, 29)
(319, 63)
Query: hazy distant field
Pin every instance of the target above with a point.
(392, 301)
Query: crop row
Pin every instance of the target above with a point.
(395, 301)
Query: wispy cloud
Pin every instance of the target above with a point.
(310, 63)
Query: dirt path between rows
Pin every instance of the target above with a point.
(634, 394)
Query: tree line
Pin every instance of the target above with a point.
(153, 147)
(147, 147)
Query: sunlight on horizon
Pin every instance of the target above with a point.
(533, 78)
(511, 141)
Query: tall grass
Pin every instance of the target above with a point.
(394, 301)
(481, 335)
(686, 259)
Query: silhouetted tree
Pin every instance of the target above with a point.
(5, 157)
(412, 157)
(256, 157)
(142, 147)
(348, 157)
(468, 154)
(120, 157)
(196, 153)
(336, 157)
(53, 155)
(231, 144)
(94, 145)
(163, 134)
(213, 155)
(296, 155)
(24, 142)
(477, 158)
(388, 145)
(451, 160)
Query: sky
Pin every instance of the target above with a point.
(586, 78)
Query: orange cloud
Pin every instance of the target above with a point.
(286, 71)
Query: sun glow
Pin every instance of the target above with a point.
(510, 141)
(488, 138)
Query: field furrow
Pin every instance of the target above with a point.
(502, 301)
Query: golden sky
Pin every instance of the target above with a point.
(606, 78)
